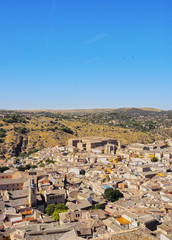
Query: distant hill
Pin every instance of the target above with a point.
(151, 109)
(21, 132)
(61, 110)
(91, 110)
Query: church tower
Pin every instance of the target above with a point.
(32, 193)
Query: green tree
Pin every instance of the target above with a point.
(59, 209)
(55, 215)
(154, 159)
(50, 209)
(48, 161)
(61, 206)
(34, 166)
(67, 130)
(3, 169)
(28, 166)
(112, 195)
(2, 133)
(82, 172)
(23, 168)
(54, 210)
(42, 165)
(97, 206)
(21, 130)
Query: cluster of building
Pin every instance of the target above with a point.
(77, 176)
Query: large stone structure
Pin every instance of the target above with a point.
(88, 143)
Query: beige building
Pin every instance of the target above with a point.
(11, 184)
(55, 196)
(44, 231)
(89, 143)
(5, 176)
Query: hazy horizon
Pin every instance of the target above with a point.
(78, 109)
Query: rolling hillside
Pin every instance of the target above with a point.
(22, 132)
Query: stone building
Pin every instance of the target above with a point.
(89, 143)
(11, 184)
(54, 197)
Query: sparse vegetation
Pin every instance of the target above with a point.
(2, 133)
(22, 134)
(67, 130)
(14, 118)
(48, 161)
(29, 152)
(23, 168)
(21, 130)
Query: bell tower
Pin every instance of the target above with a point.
(32, 193)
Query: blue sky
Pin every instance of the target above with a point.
(85, 54)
